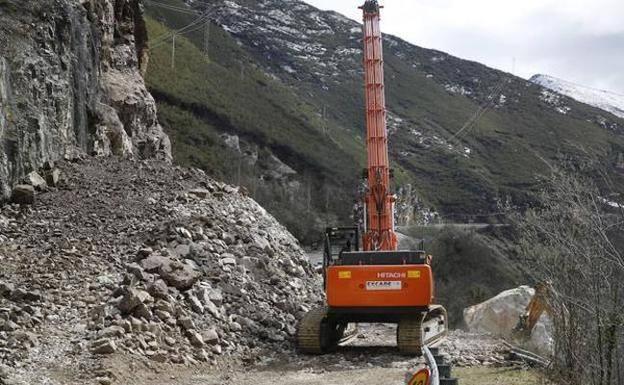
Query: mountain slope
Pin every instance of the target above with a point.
(608, 101)
(308, 62)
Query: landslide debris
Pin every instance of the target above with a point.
(145, 260)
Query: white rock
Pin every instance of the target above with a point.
(499, 316)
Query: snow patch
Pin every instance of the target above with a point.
(457, 89)
(608, 101)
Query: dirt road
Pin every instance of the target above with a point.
(370, 359)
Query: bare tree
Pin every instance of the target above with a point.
(574, 241)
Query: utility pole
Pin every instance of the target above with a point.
(207, 38)
(173, 52)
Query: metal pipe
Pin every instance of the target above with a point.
(433, 366)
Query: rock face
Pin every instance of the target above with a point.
(499, 316)
(71, 82)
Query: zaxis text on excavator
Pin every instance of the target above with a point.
(368, 279)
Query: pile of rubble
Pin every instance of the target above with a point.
(20, 312)
(150, 261)
(475, 349)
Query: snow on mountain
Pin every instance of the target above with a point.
(608, 101)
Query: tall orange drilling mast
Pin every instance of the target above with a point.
(379, 201)
(372, 281)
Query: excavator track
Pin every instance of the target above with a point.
(410, 334)
(416, 331)
(317, 334)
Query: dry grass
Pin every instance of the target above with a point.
(499, 376)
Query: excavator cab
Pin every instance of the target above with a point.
(339, 240)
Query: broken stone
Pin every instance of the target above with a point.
(195, 304)
(162, 315)
(158, 289)
(200, 193)
(144, 253)
(104, 346)
(112, 331)
(53, 177)
(228, 261)
(195, 338)
(153, 263)
(215, 296)
(9, 326)
(136, 270)
(104, 381)
(186, 323)
(179, 275)
(23, 194)
(159, 356)
(132, 299)
(182, 250)
(142, 311)
(18, 295)
(35, 180)
(210, 336)
(212, 309)
(6, 289)
(184, 232)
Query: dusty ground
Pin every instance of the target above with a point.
(370, 359)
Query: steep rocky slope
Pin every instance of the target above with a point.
(70, 82)
(286, 77)
(140, 263)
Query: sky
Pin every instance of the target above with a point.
(581, 41)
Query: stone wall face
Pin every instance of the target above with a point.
(71, 82)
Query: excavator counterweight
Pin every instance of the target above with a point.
(369, 279)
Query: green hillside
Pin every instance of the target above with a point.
(200, 98)
(296, 94)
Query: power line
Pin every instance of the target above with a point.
(171, 35)
(482, 110)
(167, 36)
(172, 7)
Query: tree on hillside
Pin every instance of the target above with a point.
(574, 240)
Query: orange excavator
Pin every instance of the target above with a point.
(540, 303)
(369, 280)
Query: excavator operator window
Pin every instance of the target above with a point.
(339, 240)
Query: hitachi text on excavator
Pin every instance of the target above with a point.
(369, 279)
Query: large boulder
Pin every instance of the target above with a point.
(499, 316)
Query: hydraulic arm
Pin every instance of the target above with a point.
(379, 232)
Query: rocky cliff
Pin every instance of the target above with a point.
(71, 82)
